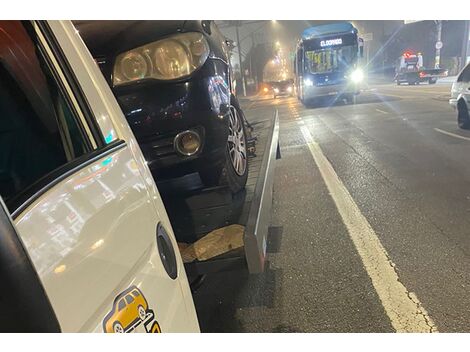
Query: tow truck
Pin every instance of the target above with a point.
(86, 236)
(411, 70)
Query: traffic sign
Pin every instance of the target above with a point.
(439, 45)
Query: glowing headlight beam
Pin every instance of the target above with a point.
(357, 76)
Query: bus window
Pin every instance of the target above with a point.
(329, 60)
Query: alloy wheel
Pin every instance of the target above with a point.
(236, 142)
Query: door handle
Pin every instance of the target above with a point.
(166, 252)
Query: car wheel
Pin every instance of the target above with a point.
(142, 313)
(463, 117)
(398, 83)
(233, 172)
(432, 81)
(117, 328)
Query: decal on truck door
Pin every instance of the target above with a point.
(130, 309)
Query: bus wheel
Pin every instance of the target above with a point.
(351, 99)
(309, 103)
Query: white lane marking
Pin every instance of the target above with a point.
(402, 307)
(452, 134)
(383, 112)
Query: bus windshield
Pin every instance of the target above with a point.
(330, 59)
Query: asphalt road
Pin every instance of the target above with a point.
(371, 221)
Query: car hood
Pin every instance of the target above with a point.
(105, 38)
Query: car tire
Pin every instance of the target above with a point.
(233, 172)
(117, 328)
(432, 81)
(142, 313)
(463, 118)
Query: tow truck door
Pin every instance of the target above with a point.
(82, 199)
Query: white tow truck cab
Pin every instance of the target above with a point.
(86, 244)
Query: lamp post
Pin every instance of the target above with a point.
(465, 45)
(242, 73)
(438, 45)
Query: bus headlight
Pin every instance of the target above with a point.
(357, 76)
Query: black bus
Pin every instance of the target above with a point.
(327, 62)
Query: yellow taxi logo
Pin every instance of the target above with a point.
(129, 310)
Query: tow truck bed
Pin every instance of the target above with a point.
(413, 77)
(194, 210)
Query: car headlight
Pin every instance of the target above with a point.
(171, 58)
(276, 90)
(308, 82)
(289, 89)
(357, 76)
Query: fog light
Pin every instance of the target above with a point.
(187, 143)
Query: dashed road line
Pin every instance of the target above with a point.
(403, 308)
(381, 111)
(452, 134)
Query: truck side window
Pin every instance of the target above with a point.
(38, 129)
(464, 75)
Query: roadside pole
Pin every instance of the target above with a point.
(242, 73)
(465, 46)
(438, 45)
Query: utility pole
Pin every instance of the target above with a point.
(438, 45)
(253, 76)
(240, 58)
(465, 45)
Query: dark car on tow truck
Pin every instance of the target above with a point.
(173, 82)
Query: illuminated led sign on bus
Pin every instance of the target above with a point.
(330, 42)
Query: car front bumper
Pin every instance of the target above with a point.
(158, 111)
